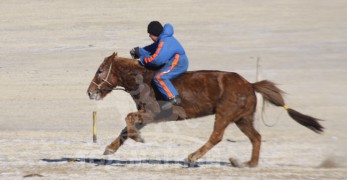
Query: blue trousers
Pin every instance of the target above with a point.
(175, 67)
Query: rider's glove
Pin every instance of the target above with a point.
(135, 52)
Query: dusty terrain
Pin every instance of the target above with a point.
(50, 50)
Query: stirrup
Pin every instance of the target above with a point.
(169, 104)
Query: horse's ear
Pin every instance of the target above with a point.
(114, 54)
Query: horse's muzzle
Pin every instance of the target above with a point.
(93, 95)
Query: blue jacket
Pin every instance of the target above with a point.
(163, 50)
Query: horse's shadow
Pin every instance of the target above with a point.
(114, 162)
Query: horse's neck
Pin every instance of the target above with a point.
(132, 74)
(136, 80)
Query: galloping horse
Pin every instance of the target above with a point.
(226, 94)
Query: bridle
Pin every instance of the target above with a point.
(101, 89)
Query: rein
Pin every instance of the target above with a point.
(101, 89)
(111, 89)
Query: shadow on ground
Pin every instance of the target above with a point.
(98, 162)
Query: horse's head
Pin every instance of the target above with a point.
(104, 80)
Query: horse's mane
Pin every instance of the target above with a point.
(128, 62)
(131, 64)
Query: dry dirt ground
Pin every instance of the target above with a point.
(50, 50)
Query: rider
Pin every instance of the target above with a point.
(168, 54)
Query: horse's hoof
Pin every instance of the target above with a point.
(250, 164)
(137, 138)
(109, 151)
(235, 163)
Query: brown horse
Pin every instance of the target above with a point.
(226, 94)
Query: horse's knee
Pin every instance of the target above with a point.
(133, 118)
(129, 119)
(254, 136)
(256, 139)
(219, 139)
(216, 138)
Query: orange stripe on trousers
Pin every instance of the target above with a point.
(162, 83)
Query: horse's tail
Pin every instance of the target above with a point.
(273, 94)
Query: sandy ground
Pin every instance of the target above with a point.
(49, 51)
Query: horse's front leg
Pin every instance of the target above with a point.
(136, 121)
(113, 147)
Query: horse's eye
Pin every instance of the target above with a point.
(99, 71)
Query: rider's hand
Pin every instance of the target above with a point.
(135, 53)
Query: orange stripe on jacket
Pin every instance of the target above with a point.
(167, 90)
(149, 59)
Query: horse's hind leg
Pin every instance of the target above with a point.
(219, 126)
(246, 126)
